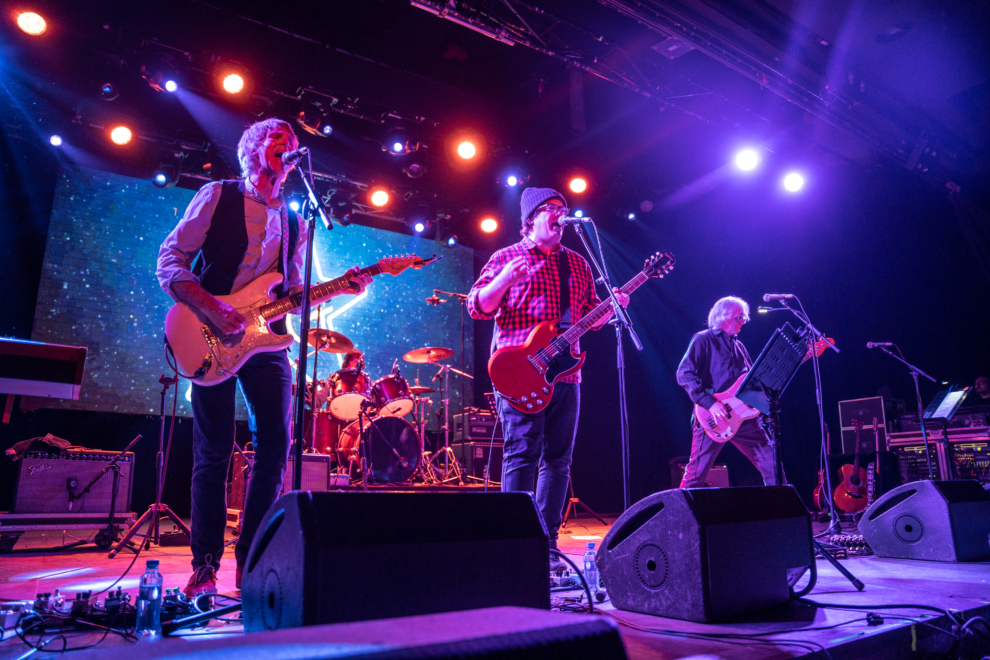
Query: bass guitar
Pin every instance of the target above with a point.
(850, 495)
(208, 357)
(722, 430)
(525, 375)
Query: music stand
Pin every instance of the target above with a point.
(769, 376)
(942, 409)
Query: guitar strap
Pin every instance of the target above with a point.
(564, 270)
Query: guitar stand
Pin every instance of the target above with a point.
(572, 506)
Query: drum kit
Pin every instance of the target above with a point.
(361, 423)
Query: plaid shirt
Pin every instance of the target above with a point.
(536, 298)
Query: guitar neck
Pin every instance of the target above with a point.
(602, 311)
(317, 294)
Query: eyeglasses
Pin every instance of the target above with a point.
(553, 209)
(741, 319)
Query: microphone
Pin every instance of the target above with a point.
(570, 220)
(767, 297)
(293, 157)
(433, 300)
(875, 344)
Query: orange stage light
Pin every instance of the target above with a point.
(121, 135)
(233, 83)
(31, 23)
(489, 225)
(467, 150)
(578, 184)
(379, 197)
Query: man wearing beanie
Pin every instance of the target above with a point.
(520, 287)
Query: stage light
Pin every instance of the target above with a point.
(312, 118)
(414, 170)
(451, 241)
(341, 206)
(121, 135)
(578, 213)
(399, 138)
(793, 182)
(160, 72)
(398, 147)
(467, 150)
(578, 184)
(489, 225)
(747, 159)
(233, 83)
(167, 174)
(109, 91)
(379, 197)
(32, 23)
(160, 179)
(419, 226)
(630, 216)
(512, 181)
(294, 205)
(55, 140)
(171, 85)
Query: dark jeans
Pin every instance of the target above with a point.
(541, 443)
(750, 439)
(265, 381)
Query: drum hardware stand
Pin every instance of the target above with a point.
(362, 444)
(915, 372)
(425, 468)
(572, 506)
(621, 322)
(462, 299)
(106, 537)
(157, 510)
(451, 470)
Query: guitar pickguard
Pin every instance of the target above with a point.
(559, 365)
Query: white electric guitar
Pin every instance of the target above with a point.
(207, 356)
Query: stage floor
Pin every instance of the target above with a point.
(794, 630)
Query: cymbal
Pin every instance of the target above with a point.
(428, 354)
(330, 341)
(421, 389)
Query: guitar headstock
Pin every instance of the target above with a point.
(659, 264)
(395, 265)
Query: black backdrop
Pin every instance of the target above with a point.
(875, 255)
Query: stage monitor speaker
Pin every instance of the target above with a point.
(931, 520)
(705, 554)
(333, 557)
(43, 479)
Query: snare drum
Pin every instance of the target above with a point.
(393, 448)
(349, 389)
(391, 395)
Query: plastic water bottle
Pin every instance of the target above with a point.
(149, 602)
(590, 567)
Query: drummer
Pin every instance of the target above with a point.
(353, 360)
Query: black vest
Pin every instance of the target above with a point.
(226, 242)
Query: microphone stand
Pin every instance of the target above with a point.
(621, 322)
(462, 299)
(315, 206)
(816, 336)
(915, 372)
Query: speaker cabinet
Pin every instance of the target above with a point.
(704, 554)
(933, 520)
(332, 557)
(43, 480)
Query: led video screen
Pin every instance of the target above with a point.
(99, 290)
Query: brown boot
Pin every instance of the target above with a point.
(203, 580)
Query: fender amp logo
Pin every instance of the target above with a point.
(38, 467)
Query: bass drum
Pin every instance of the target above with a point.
(349, 388)
(383, 435)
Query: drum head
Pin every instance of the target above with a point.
(392, 450)
(347, 406)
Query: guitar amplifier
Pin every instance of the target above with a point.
(478, 426)
(315, 477)
(865, 410)
(474, 457)
(43, 481)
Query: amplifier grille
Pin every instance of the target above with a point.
(43, 481)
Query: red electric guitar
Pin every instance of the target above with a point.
(525, 374)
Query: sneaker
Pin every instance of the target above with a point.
(203, 580)
(237, 576)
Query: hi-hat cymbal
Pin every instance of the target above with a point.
(330, 341)
(428, 354)
(421, 389)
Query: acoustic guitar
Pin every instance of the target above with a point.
(851, 494)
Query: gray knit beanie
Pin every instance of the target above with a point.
(534, 197)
